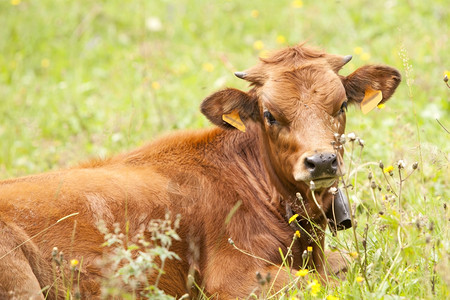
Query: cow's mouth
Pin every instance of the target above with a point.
(322, 183)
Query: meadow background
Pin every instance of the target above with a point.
(82, 79)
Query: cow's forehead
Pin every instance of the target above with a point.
(313, 85)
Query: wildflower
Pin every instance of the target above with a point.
(359, 279)
(388, 169)
(331, 297)
(156, 85)
(297, 3)
(365, 56)
(74, 263)
(446, 73)
(354, 254)
(302, 273)
(381, 106)
(255, 13)
(281, 39)
(401, 164)
(153, 24)
(264, 54)
(358, 50)
(411, 270)
(309, 248)
(258, 45)
(15, 2)
(291, 219)
(314, 286)
(45, 63)
(208, 67)
(297, 233)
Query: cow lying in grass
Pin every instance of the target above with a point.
(242, 179)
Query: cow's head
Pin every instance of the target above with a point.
(300, 102)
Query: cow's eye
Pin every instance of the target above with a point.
(343, 107)
(269, 117)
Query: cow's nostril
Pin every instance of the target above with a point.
(309, 164)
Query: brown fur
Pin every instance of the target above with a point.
(201, 175)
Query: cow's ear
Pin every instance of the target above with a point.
(230, 108)
(371, 85)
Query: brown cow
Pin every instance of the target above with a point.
(295, 106)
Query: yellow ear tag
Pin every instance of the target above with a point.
(371, 100)
(234, 120)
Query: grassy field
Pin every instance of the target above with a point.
(82, 79)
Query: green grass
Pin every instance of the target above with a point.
(82, 79)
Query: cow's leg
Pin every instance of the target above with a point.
(17, 280)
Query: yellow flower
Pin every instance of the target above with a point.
(281, 40)
(411, 270)
(365, 56)
(359, 279)
(381, 106)
(314, 286)
(354, 254)
(45, 63)
(331, 297)
(447, 72)
(358, 50)
(258, 45)
(297, 233)
(208, 67)
(255, 13)
(297, 3)
(302, 273)
(291, 219)
(156, 85)
(15, 2)
(74, 263)
(388, 169)
(264, 54)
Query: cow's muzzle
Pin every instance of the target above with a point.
(322, 165)
(339, 213)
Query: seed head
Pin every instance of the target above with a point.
(445, 78)
(312, 185)
(230, 241)
(415, 165)
(351, 136)
(373, 185)
(370, 175)
(381, 165)
(342, 139)
(54, 252)
(333, 190)
(361, 142)
(299, 196)
(401, 164)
